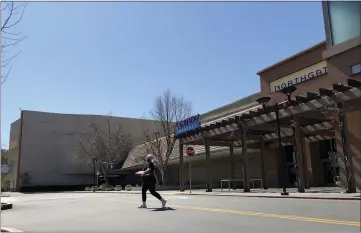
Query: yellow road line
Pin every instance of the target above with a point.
(279, 216)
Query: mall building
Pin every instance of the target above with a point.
(319, 125)
(42, 148)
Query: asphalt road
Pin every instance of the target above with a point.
(115, 212)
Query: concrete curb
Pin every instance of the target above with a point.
(288, 197)
(249, 196)
(6, 206)
(255, 196)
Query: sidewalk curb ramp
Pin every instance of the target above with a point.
(6, 206)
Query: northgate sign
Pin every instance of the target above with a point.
(300, 76)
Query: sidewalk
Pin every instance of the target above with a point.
(325, 193)
(332, 193)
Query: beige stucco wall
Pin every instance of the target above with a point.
(49, 140)
(220, 169)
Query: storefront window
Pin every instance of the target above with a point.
(356, 69)
(345, 20)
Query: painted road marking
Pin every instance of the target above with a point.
(267, 215)
(290, 217)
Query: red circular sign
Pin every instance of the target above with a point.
(190, 151)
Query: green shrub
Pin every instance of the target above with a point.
(118, 188)
(87, 189)
(128, 187)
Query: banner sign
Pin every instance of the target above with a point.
(189, 124)
(300, 76)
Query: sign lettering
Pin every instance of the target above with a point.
(189, 124)
(298, 77)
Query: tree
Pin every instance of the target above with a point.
(167, 110)
(11, 14)
(337, 111)
(5, 160)
(104, 146)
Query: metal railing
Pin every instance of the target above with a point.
(240, 180)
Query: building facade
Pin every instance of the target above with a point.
(44, 145)
(334, 61)
(321, 66)
(44, 141)
(220, 155)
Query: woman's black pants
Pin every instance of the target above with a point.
(151, 187)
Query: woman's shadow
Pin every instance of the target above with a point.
(161, 209)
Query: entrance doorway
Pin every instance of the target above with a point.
(328, 155)
(290, 163)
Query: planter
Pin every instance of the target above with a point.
(128, 188)
(118, 188)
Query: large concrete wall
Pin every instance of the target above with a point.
(14, 134)
(220, 169)
(49, 141)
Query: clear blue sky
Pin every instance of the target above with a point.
(96, 58)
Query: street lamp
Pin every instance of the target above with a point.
(264, 101)
(288, 92)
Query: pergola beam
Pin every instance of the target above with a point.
(315, 101)
(325, 132)
(270, 127)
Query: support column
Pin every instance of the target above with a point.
(231, 163)
(181, 177)
(263, 172)
(305, 166)
(299, 157)
(347, 158)
(244, 158)
(208, 165)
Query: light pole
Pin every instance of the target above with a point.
(94, 173)
(288, 92)
(264, 101)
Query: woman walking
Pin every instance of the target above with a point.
(149, 182)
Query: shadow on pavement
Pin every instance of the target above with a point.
(162, 209)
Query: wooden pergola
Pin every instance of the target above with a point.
(300, 120)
